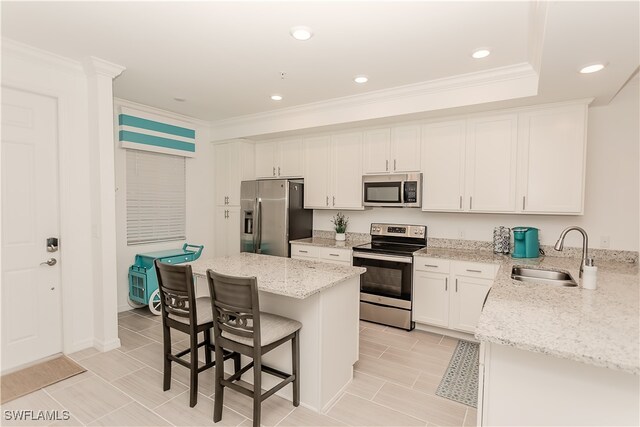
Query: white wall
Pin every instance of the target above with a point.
(199, 201)
(611, 197)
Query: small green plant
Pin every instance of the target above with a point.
(340, 222)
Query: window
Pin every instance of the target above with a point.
(156, 199)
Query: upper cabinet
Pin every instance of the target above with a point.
(279, 159)
(333, 171)
(391, 150)
(552, 153)
(234, 162)
(491, 157)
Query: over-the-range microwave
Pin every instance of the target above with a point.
(392, 190)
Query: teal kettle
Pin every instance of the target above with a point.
(525, 242)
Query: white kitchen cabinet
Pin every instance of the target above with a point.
(227, 230)
(552, 151)
(279, 159)
(322, 254)
(392, 150)
(233, 162)
(443, 166)
(333, 171)
(450, 294)
(491, 160)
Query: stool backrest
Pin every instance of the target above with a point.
(177, 291)
(235, 306)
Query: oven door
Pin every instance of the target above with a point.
(383, 193)
(387, 280)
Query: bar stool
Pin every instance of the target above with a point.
(181, 310)
(240, 326)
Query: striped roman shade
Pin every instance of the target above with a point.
(144, 131)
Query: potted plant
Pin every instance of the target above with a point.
(340, 223)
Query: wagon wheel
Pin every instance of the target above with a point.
(154, 303)
(134, 304)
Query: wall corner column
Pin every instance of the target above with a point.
(100, 75)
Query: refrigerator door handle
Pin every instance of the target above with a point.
(259, 230)
(254, 237)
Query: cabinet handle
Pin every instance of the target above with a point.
(474, 271)
(523, 200)
(446, 284)
(470, 202)
(394, 165)
(327, 200)
(334, 200)
(303, 252)
(274, 171)
(431, 265)
(334, 254)
(278, 170)
(386, 165)
(460, 202)
(456, 285)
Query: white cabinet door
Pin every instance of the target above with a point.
(405, 149)
(552, 147)
(491, 163)
(467, 297)
(291, 160)
(431, 298)
(233, 231)
(266, 159)
(443, 166)
(221, 177)
(346, 168)
(220, 228)
(317, 175)
(376, 151)
(234, 173)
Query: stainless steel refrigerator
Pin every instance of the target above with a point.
(271, 214)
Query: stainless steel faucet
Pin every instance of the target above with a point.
(585, 244)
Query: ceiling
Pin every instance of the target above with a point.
(226, 58)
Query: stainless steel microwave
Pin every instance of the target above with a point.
(392, 190)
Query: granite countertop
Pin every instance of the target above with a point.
(277, 275)
(462, 255)
(328, 243)
(598, 327)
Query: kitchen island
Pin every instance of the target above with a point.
(323, 297)
(554, 355)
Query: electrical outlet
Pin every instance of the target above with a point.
(605, 242)
(461, 234)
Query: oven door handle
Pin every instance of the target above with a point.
(393, 258)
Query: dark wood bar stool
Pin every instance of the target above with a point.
(239, 326)
(181, 310)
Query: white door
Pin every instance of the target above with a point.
(316, 172)
(405, 148)
(467, 297)
(346, 157)
(443, 163)
(220, 159)
(431, 298)
(31, 294)
(291, 162)
(376, 151)
(266, 159)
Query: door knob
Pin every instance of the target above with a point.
(50, 262)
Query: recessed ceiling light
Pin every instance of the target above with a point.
(591, 68)
(481, 53)
(179, 99)
(361, 79)
(276, 97)
(301, 33)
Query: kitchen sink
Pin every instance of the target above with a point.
(549, 277)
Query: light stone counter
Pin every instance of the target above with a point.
(277, 275)
(462, 255)
(323, 242)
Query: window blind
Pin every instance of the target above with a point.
(156, 201)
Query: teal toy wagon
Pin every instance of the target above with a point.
(143, 281)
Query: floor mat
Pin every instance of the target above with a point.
(460, 381)
(38, 376)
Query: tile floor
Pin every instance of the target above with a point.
(394, 385)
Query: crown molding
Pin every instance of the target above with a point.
(537, 27)
(121, 102)
(94, 66)
(513, 81)
(25, 51)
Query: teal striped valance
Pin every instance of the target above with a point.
(144, 131)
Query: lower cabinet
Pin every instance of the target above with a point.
(316, 253)
(450, 294)
(227, 229)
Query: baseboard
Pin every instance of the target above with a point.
(104, 346)
(80, 345)
(125, 307)
(444, 331)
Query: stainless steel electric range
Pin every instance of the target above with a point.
(386, 288)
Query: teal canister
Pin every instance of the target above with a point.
(525, 242)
